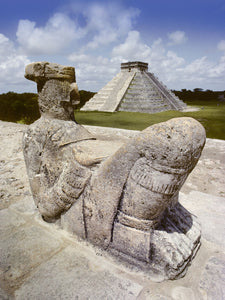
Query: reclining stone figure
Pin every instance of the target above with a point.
(124, 201)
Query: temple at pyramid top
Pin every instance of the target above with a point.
(134, 89)
(134, 65)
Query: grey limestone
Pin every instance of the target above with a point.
(22, 251)
(9, 220)
(121, 198)
(211, 279)
(202, 207)
(53, 275)
(47, 144)
(76, 277)
(109, 97)
(4, 295)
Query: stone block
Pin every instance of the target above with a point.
(213, 279)
(204, 205)
(25, 205)
(126, 201)
(24, 250)
(131, 241)
(71, 275)
(9, 221)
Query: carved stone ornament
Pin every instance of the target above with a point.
(124, 201)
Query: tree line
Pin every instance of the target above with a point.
(199, 95)
(19, 107)
(24, 107)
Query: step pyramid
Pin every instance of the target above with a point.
(134, 89)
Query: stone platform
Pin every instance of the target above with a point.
(40, 261)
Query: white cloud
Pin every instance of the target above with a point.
(171, 68)
(132, 48)
(78, 57)
(93, 72)
(198, 66)
(202, 73)
(108, 22)
(12, 66)
(102, 25)
(95, 39)
(221, 46)
(177, 37)
(56, 36)
(173, 60)
(218, 70)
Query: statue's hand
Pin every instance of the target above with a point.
(65, 192)
(73, 181)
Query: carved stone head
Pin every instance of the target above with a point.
(57, 90)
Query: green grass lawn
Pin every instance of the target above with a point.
(211, 115)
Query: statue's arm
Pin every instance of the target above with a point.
(66, 190)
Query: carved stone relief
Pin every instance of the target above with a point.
(123, 199)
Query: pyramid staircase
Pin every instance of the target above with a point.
(136, 90)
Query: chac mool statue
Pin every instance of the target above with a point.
(124, 201)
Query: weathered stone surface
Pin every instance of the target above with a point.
(213, 278)
(56, 179)
(203, 194)
(3, 295)
(44, 71)
(125, 202)
(76, 278)
(57, 91)
(163, 154)
(183, 293)
(202, 207)
(12, 186)
(214, 161)
(9, 220)
(147, 295)
(16, 259)
(140, 184)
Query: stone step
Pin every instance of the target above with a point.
(146, 103)
(143, 110)
(102, 96)
(143, 106)
(142, 95)
(143, 90)
(172, 98)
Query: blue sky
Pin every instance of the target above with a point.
(182, 41)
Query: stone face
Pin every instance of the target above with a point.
(134, 89)
(125, 199)
(57, 91)
(44, 71)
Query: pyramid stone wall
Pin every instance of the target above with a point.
(134, 89)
